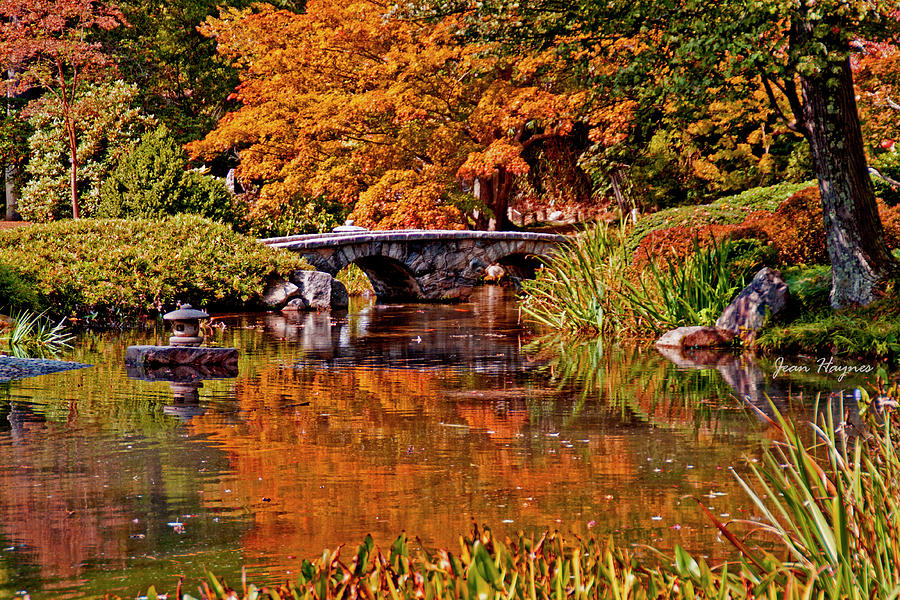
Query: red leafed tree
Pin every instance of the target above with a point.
(47, 44)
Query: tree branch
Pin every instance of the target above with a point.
(791, 124)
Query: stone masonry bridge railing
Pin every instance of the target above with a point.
(422, 264)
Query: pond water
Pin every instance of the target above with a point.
(415, 418)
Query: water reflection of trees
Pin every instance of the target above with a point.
(322, 455)
(368, 430)
(641, 385)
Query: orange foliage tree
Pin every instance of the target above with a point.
(397, 119)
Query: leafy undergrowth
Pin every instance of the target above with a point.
(116, 268)
(810, 326)
(590, 288)
(730, 210)
(825, 527)
(356, 281)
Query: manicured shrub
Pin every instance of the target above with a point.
(748, 255)
(729, 210)
(677, 243)
(15, 292)
(152, 180)
(796, 228)
(890, 219)
(124, 267)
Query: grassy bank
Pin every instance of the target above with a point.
(683, 266)
(112, 269)
(811, 327)
(825, 526)
(594, 286)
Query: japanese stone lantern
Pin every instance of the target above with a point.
(185, 326)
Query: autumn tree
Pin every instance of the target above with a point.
(342, 101)
(800, 51)
(48, 44)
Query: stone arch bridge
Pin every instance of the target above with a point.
(422, 264)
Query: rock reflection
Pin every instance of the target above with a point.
(185, 382)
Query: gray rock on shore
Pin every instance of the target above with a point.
(306, 290)
(767, 294)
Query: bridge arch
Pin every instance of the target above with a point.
(389, 277)
(430, 265)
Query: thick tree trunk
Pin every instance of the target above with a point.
(854, 235)
(494, 192)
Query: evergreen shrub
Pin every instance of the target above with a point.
(118, 267)
(15, 292)
(152, 180)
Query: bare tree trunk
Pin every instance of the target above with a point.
(10, 174)
(615, 178)
(11, 171)
(860, 259)
(73, 163)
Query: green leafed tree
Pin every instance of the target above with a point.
(798, 51)
(152, 180)
(185, 85)
(109, 124)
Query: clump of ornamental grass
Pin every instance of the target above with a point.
(589, 286)
(676, 292)
(828, 528)
(34, 335)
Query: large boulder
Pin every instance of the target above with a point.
(316, 291)
(278, 291)
(696, 337)
(767, 294)
(315, 288)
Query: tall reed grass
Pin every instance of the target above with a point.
(589, 286)
(828, 527)
(34, 335)
(572, 292)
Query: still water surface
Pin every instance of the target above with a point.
(416, 418)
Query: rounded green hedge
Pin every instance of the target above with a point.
(724, 211)
(119, 267)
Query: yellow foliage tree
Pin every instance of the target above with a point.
(397, 119)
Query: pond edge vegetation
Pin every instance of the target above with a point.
(681, 267)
